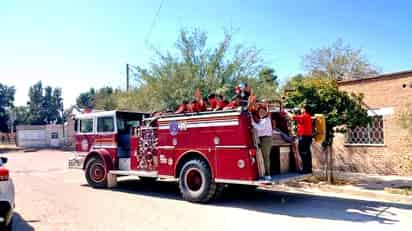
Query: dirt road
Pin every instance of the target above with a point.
(51, 197)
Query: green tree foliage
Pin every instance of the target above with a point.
(173, 76)
(57, 108)
(6, 103)
(324, 97)
(22, 115)
(342, 110)
(338, 61)
(47, 113)
(35, 104)
(267, 85)
(44, 106)
(87, 99)
(104, 98)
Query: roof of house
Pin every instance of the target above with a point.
(400, 74)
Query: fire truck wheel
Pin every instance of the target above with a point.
(195, 181)
(96, 173)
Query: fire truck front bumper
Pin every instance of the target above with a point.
(76, 162)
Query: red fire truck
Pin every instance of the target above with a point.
(203, 151)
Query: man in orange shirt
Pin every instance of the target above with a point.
(305, 135)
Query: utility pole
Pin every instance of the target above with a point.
(127, 77)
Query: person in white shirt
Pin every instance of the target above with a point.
(263, 129)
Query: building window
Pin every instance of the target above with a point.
(86, 126)
(370, 135)
(105, 124)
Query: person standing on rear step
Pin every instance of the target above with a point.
(263, 127)
(305, 135)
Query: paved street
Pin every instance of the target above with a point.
(51, 197)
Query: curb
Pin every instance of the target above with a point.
(346, 191)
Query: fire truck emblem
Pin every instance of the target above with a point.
(173, 128)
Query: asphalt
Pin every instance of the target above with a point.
(51, 197)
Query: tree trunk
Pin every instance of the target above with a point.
(330, 164)
(326, 153)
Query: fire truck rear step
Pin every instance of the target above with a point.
(288, 177)
(113, 174)
(153, 174)
(276, 179)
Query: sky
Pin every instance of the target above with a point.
(79, 44)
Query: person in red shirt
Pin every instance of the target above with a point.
(220, 103)
(204, 104)
(212, 102)
(195, 106)
(305, 135)
(183, 107)
(234, 104)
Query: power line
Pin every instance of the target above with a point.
(153, 22)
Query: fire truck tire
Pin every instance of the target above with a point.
(195, 182)
(4, 227)
(96, 173)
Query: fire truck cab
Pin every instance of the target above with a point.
(203, 152)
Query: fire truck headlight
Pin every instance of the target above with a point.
(174, 141)
(216, 140)
(241, 163)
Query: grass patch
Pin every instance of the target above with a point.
(8, 148)
(402, 190)
(323, 180)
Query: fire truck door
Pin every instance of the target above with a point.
(85, 137)
(106, 137)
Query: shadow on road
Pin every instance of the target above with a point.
(281, 203)
(19, 224)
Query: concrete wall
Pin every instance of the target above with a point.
(395, 156)
(39, 136)
(69, 139)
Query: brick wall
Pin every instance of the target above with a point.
(393, 90)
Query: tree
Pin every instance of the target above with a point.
(45, 106)
(6, 103)
(267, 85)
(173, 76)
(87, 99)
(342, 110)
(339, 61)
(35, 104)
(57, 105)
(22, 115)
(104, 98)
(47, 112)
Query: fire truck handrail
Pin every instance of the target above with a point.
(199, 114)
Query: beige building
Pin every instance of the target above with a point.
(384, 147)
